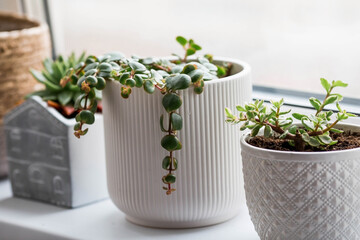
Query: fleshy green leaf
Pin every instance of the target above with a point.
(339, 83)
(87, 116)
(188, 68)
(149, 86)
(336, 130)
(166, 163)
(315, 103)
(105, 67)
(255, 130)
(101, 83)
(178, 82)
(325, 84)
(65, 97)
(196, 75)
(170, 178)
(267, 131)
(170, 143)
(176, 121)
(314, 142)
(181, 40)
(307, 124)
(282, 136)
(326, 139)
(190, 51)
(330, 100)
(171, 102)
(195, 46)
(162, 124)
(137, 67)
(138, 80)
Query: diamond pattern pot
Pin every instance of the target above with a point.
(298, 195)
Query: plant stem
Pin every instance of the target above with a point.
(317, 133)
(166, 69)
(80, 70)
(322, 105)
(228, 71)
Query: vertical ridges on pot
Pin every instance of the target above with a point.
(209, 174)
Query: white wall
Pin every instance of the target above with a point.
(289, 43)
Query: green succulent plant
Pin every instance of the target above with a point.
(169, 76)
(51, 77)
(314, 129)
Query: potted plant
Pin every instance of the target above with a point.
(45, 162)
(301, 180)
(144, 156)
(24, 43)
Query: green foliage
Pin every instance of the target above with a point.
(314, 130)
(89, 75)
(56, 89)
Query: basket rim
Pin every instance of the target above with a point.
(36, 30)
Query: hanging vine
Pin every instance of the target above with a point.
(167, 76)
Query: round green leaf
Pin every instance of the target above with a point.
(196, 75)
(178, 82)
(115, 66)
(130, 82)
(137, 67)
(170, 178)
(190, 51)
(91, 80)
(181, 40)
(188, 68)
(77, 126)
(90, 72)
(104, 74)
(175, 163)
(91, 66)
(80, 81)
(101, 83)
(105, 67)
(87, 117)
(170, 143)
(125, 91)
(138, 81)
(124, 77)
(74, 79)
(166, 163)
(198, 90)
(171, 102)
(176, 121)
(149, 86)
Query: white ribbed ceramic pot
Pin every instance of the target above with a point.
(303, 195)
(209, 176)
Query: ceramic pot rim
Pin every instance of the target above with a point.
(246, 69)
(302, 156)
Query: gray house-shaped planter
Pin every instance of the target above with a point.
(47, 162)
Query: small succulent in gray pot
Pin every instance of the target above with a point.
(45, 162)
(301, 179)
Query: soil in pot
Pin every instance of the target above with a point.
(346, 140)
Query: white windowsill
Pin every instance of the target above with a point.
(25, 219)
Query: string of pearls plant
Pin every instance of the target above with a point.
(151, 74)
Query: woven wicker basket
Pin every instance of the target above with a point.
(24, 43)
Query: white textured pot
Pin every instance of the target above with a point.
(302, 195)
(208, 178)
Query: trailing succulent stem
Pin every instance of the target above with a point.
(314, 130)
(167, 76)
